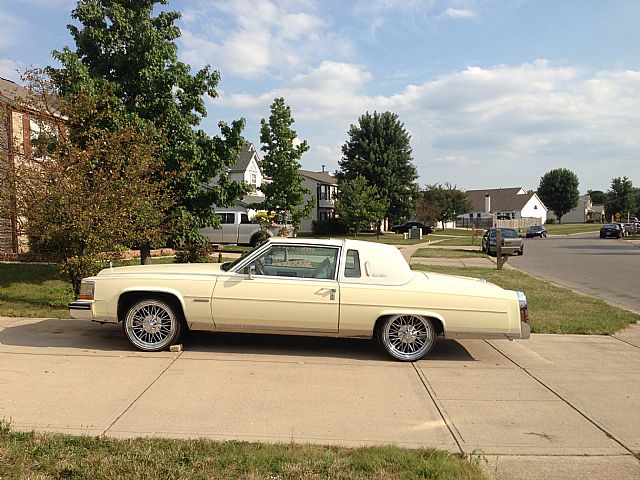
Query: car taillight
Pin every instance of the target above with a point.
(524, 312)
(86, 290)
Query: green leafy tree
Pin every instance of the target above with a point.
(621, 198)
(598, 197)
(359, 204)
(379, 149)
(122, 44)
(284, 195)
(558, 190)
(79, 204)
(442, 203)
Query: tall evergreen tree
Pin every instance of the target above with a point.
(558, 189)
(379, 149)
(284, 195)
(358, 204)
(123, 44)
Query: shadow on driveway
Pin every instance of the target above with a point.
(82, 335)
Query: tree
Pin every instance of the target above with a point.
(121, 43)
(379, 149)
(78, 202)
(558, 189)
(598, 197)
(284, 195)
(359, 204)
(621, 198)
(442, 203)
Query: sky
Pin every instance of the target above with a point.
(493, 93)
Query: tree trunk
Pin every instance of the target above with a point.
(145, 255)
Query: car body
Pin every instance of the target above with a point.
(334, 288)
(237, 229)
(611, 230)
(631, 229)
(406, 227)
(510, 240)
(536, 231)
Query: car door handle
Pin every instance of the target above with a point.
(332, 292)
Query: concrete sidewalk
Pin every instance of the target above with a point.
(555, 406)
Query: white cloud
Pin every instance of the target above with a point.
(457, 13)
(509, 123)
(247, 38)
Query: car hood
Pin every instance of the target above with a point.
(165, 269)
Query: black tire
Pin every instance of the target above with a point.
(152, 324)
(521, 251)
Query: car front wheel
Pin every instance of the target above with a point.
(152, 325)
(407, 337)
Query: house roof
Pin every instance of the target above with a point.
(320, 177)
(502, 199)
(244, 159)
(11, 92)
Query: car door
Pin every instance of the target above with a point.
(229, 227)
(289, 287)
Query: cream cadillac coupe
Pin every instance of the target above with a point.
(333, 288)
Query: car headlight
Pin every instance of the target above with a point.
(86, 290)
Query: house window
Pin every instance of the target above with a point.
(323, 214)
(324, 192)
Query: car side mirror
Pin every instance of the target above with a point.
(251, 271)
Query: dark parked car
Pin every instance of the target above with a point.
(404, 228)
(612, 230)
(510, 239)
(537, 231)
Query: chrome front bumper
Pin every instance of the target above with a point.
(81, 309)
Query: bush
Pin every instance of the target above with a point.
(550, 221)
(330, 226)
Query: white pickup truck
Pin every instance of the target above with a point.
(235, 228)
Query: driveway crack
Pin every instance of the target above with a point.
(441, 411)
(569, 404)
(142, 393)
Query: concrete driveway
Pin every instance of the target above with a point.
(555, 406)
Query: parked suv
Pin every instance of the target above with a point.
(510, 239)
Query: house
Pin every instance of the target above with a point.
(247, 169)
(584, 212)
(491, 205)
(322, 187)
(15, 145)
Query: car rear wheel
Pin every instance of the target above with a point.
(521, 251)
(407, 337)
(152, 325)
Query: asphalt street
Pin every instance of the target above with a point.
(605, 268)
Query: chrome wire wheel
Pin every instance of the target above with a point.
(407, 337)
(151, 325)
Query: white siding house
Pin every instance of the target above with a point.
(505, 204)
(322, 187)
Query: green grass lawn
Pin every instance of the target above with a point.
(30, 290)
(387, 238)
(565, 229)
(435, 252)
(56, 456)
(553, 309)
(458, 241)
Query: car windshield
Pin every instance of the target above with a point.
(229, 265)
(505, 232)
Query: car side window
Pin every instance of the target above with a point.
(296, 261)
(352, 265)
(227, 218)
(244, 218)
